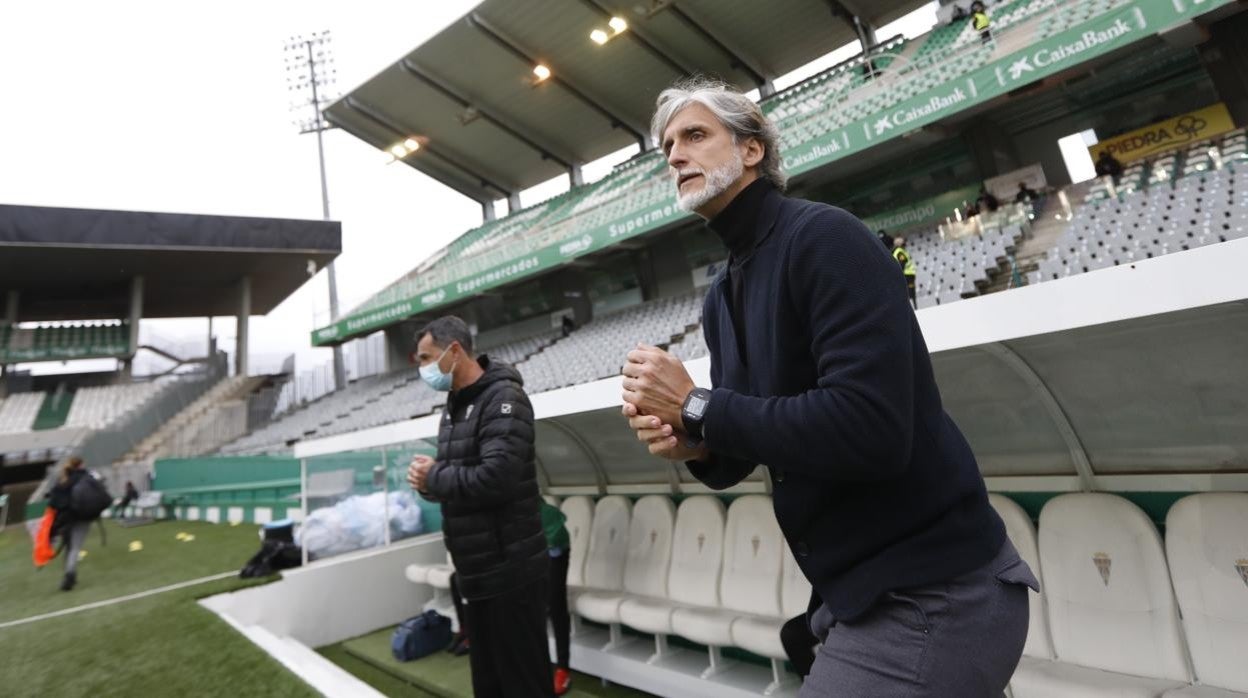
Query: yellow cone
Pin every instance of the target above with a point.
(188, 538)
(82, 554)
(136, 546)
(182, 535)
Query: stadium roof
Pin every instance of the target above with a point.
(487, 127)
(76, 264)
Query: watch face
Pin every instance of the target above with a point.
(696, 406)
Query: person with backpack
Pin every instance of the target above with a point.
(78, 499)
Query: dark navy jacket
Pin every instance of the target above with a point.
(831, 387)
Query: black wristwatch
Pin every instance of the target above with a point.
(693, 412)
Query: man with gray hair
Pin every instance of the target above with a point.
(819, 370)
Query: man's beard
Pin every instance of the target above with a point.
(715, 182)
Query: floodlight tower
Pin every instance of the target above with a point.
(310, 79)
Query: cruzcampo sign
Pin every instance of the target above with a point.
(1193, 126)
(1112, 30)
(926, 212)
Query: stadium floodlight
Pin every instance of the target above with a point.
(541, 71)
(310, 80)
(617, 26)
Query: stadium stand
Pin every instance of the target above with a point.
(97, 408)
(18, 412)
(202, 426)
(67, 342)
(1204, 207)
(598, 349)
(368, 402)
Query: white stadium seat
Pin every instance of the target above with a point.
(580, 513)
(645, 566)
(762, 635)
(608, 549)
(1112, 614)
(1022, 534)
(749, 584)
(750, 580)
(693, 578)
(1207, 544)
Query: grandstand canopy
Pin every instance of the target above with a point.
(487, 128)
(77, 264)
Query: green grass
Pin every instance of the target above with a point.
(162, 645)
(439, 674)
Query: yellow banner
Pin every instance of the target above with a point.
(1164, 135)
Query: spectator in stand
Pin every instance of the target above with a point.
(886, 240)
(987, 201)
(980, 22)
(1108, 166)
(902, 255)
(971, 210)
(1026, 193)
(567, 325)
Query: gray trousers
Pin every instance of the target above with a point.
(76, 537)
(962, 638)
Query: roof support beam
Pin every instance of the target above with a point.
(451, 94)
(738, 60)
(1078, 455)
(615, 120)
(401, 132)
(643, 41)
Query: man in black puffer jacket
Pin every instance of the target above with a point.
(485, 478)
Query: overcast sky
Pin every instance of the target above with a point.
(182, 107)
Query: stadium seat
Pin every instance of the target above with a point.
(580, 513)
(693, 577)
(1112, 614)
(645, 567)
(1022, 534)
(762, 635)
(1207, 545)
(608, 552)
(749, 585)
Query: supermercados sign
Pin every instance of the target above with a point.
(1184, 128)
(1091, 38)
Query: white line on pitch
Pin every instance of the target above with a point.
(117, 600)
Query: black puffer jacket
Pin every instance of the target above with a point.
(486, 479)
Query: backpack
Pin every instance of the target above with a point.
(88, 498)
(420, 636)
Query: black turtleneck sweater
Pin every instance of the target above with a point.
(737, 227)
(874, 486)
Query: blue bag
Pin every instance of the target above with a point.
(420, 636)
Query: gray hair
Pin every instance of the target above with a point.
(738, 113)
(447, 329)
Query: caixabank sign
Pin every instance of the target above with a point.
(1062, 50)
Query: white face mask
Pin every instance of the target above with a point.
(717, 181)
(434, 377)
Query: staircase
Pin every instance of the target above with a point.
(1043, 236)
(185, 428)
